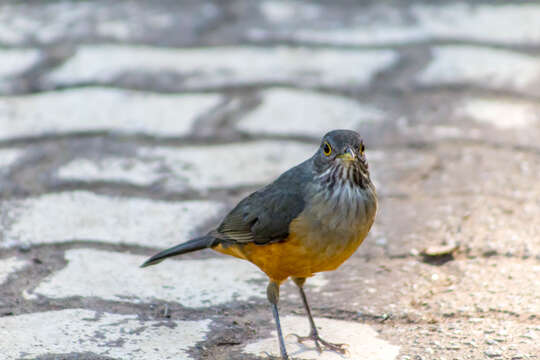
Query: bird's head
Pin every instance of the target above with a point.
(341, 158)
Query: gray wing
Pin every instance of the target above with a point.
(264, 216)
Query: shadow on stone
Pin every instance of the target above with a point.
(437, 260)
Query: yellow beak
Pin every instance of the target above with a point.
(348, 155)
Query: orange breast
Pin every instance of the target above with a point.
(297, 256)
(278, 260)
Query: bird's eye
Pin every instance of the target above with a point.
(327, 149)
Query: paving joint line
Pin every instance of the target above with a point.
(533, 49)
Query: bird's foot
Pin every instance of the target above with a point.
(272, 357)
(323, 344)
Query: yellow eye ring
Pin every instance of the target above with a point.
(327, 149)
(362, 148)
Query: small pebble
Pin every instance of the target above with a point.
(438, 251)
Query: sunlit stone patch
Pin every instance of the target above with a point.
(111, 335)
(82, 215)
(363, 340)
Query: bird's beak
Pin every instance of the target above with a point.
(348, 155)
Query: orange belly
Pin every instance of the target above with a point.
(291, 257)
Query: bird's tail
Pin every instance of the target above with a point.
(184, 248)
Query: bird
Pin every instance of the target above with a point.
(310, 219)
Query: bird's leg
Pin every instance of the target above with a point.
(272, 292)
(314, 334)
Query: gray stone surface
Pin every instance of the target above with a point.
(362, 338)
(13, 64)
(483, 68)
(116, 276)
(385, 23)
(71, 21)
(302, 113)
(9, 266)
(85, 216)
(194, 167)
(84, 331)
(500, 113)
(133, 112)
(131, 126)
(203, 68)
(8, 157)
(15, 61)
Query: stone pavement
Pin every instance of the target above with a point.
(128, 127)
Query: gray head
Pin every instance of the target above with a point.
(341, 160)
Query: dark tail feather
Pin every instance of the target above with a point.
(184, 248)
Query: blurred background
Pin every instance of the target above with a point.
(129, 126)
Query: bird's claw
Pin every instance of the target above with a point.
(339, 348)
(272, 357)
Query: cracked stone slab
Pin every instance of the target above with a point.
(305, 113)
(503, 114)
(101, 109)
(82, 215)
(482, 67)
(194, 167)
(78, 330)
(118, 277)
(389, 24)
(9, 266)
(220, 66)
(363, 340)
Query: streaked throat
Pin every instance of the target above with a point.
(345, 174)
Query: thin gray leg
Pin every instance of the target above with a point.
(282, 348)
(272, 292)
(314, 334)
(308, 310)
